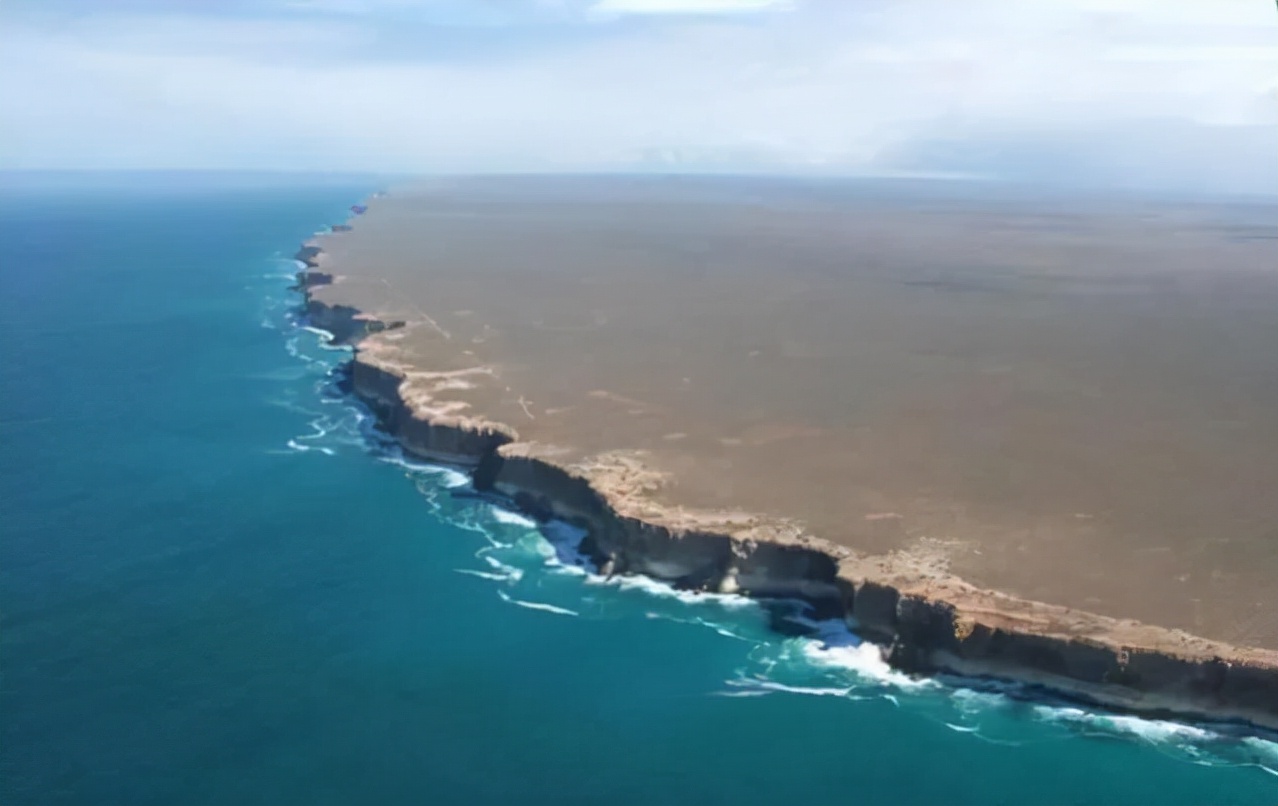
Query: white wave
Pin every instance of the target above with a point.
(445, 476)
(294, 349)
(837, 647)
(509, 572)
(547, 608)
(970, 701)
(493, 543)
(862, 659)
(459, 518)
(482, 574)
(1263, 748)
(1149, 730)
(568, 569)
(299, 447)
(532, 548)
(1185, 738)
(654, 587)
(512, 518)
(452, 479)
(725, 632)
(700, 622)
(326, 339)
(772, 685)
(320, 426)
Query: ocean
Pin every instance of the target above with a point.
(221, 586)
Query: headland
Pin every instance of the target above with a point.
(1031, 439)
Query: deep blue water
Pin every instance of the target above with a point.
(217, 590)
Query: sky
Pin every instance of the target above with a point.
(1178, 94)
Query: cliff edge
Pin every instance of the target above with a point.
(927, 618)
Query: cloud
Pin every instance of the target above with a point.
(607, 7)
(555, 85)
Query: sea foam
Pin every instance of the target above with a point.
(546, 608)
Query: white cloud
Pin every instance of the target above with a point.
(836, 84)
(688, 6)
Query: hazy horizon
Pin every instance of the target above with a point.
(1177, 96)
(974, 189)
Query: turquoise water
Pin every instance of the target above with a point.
(218, 588)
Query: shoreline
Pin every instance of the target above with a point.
(926, 624)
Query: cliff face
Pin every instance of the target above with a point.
(457, 443)
(927, 623)
(690, 558)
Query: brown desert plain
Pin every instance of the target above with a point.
(1048, 424)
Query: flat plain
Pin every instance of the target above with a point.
(1073, 400)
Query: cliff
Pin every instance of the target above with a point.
(927, 620)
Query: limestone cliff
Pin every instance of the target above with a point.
(927, 621)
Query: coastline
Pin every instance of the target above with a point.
(926, 622)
